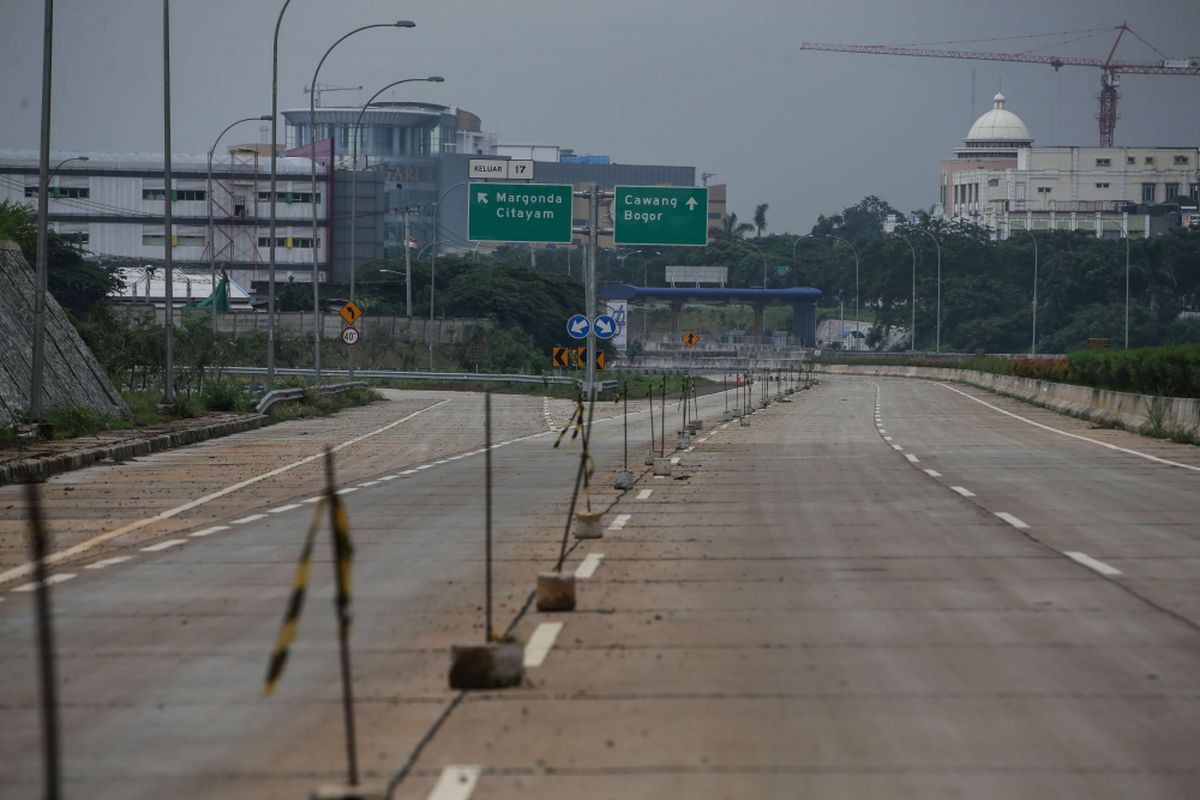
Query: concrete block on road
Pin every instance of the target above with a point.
(486, 666)
(650, 456)
(555, 591)
(624, 479)
(662, 466)
(587, 524)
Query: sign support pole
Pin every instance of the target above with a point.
(590, 282)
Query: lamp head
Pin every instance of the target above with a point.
(436, 79)
(406, 23)
(265, 118)
(82, 158)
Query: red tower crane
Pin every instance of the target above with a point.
(1110, 70)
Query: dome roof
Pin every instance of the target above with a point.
(999, 125)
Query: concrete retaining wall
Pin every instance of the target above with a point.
(30, 469)
(1128, 410)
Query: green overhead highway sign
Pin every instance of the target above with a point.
(666, 215)
(519, 212)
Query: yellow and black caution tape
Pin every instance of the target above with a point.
(344, 551)
(291, 618)
(575, 421)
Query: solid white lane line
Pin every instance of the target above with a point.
(456, 782)
(365, 484)
(911, 458)
(540, 643)
(53, 579)
(964, 491)
(389, 477)
(251, 518)
(347, 490)
(587, 567)
(408, 472)
(1088, 561)
(208, 531)
(644, 494)
(282, 509)
(83, 547)
(108, 562)
(620, 522)
(156, 548)
(309, 500)
(1147, 456)
(933, 473)
(425, 466)
(1016, 522)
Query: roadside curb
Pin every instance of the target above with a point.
(35, 468)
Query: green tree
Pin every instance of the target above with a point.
(760, 218)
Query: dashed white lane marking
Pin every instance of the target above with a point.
(897, 448)
(309, 500)
(644, 494)
(675, 460)
(83, 547)
(424, 466)
(1167, 461)
(881, 430)
(620, 522)
(1016, 522)
(964, 491)
(365, 484)
(200, 534)
(456, 782)
(283, 509)
(540, 643)
(389, 477)
(690, 449)
(108, 562)
(887, 438)
(587, 567)
(156, 548)
(53, 579)
(446, 460)
(347, 490)
(408, 472)
(251, 518)
(1091, 563)
(911, 458)
(933, 473)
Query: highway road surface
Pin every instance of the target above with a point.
(885, 588)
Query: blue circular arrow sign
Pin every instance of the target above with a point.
(606, 326)
(578, 326)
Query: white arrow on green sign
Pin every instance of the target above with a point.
(666, 215)
(519, 212)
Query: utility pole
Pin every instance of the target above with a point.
(43, 211)
(407, 268)
(589, 286)
(169, 365)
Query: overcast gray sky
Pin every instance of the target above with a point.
(721, 86)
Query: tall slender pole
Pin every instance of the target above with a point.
(339, 536)
(590, 281)
(912, 346)
(487, 493)
(407, 269)
(937, 342)
(45, 637)
(1033, 341)
(432, 283)
(274, 176)
(43, 213)
(854, 250)
(1127, 287)
(168, 200)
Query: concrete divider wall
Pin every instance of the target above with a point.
(1126, 409)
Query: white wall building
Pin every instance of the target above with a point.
(998, 179)
(116, 204)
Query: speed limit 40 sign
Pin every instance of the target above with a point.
(350, 336)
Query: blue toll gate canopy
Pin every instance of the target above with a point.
(802, 299)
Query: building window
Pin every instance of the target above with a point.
(1130, 160)
(1181, 160)
(1148, 193)
(288, 197)
(1103, 162)
(1194, 190)
(287, 242)
(993, 181)
(176, 196)
(1102, 185)
(62, 192)
(1149, 161)
(1172, 191)
(1043, 190)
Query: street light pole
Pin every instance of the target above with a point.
(354, 193)
(912, 345)
(312, 145)
(43, 213)
(168, 199)
(1033, 341)
(437, 232)
(764, 258)
(212, 241)
(937, 345)
(855, 251)
(274, 177)
(1122, 227)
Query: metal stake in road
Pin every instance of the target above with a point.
(341, 570)
(662, 420)
(650, 395)
(589, 284)
(45, 634)
(488, 635)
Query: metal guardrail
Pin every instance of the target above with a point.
(438, 377)
(297, 393)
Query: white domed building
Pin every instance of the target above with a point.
(999, 180)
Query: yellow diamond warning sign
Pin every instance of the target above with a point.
(350, 312)
(691, 338)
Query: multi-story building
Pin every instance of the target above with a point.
(999, 180)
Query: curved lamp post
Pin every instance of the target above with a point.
(912, 345)
(274, 177)
(937, 342)
(312, 144)
(437, 231)
(212, 241)
(354, 186)
(764, 258)
(1033, 341)
(1122, 227)
(855, 251)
